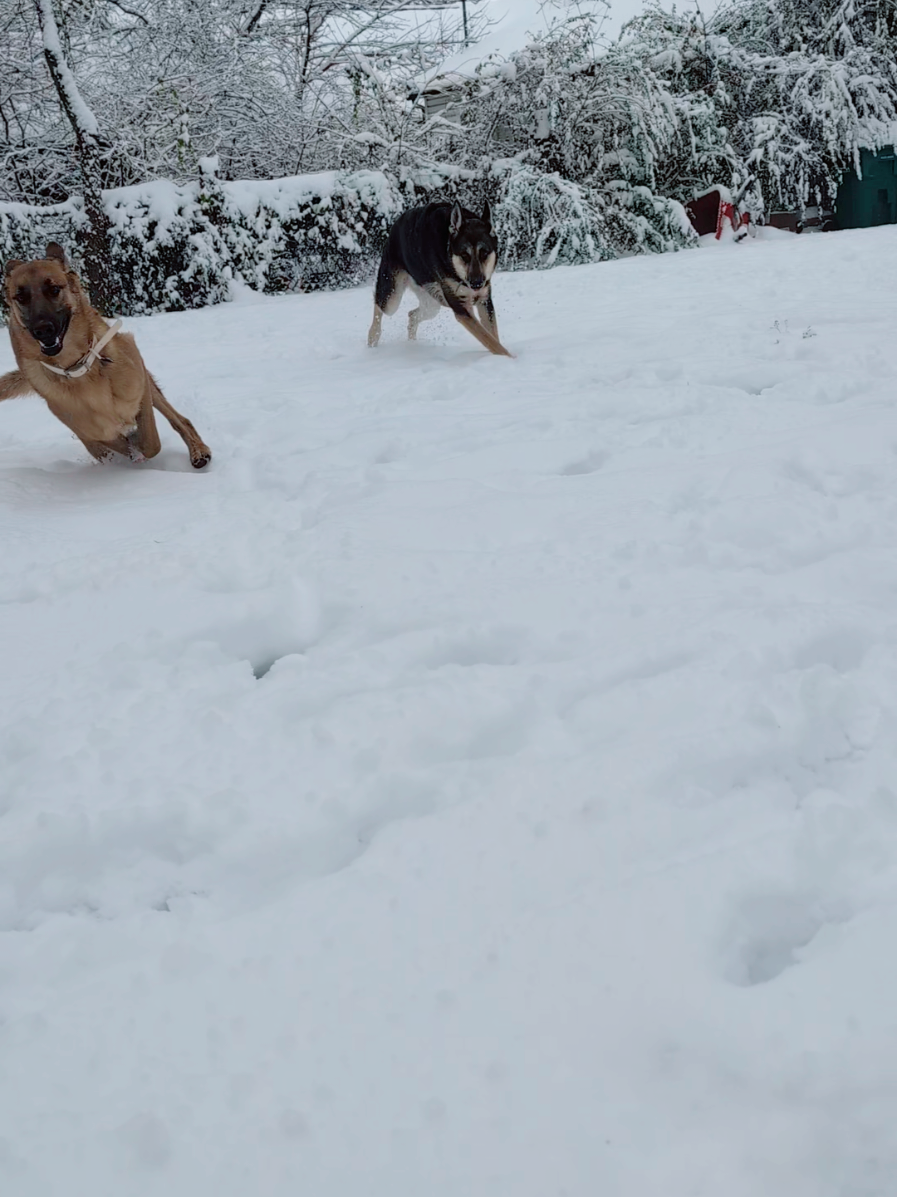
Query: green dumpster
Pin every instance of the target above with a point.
(865, 202)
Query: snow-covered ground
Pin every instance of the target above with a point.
(481, 782)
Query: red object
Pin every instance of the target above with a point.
(708, 214)
(727, 212)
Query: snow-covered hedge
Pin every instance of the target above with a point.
(178, 246)
(307, 233)
(25, 229)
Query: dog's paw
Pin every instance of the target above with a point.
(200, 460)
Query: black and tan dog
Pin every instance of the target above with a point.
(91, 376)
(446, 254)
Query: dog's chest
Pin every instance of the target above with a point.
(428, 292)
(85, 405)
(450, 288)
(463, 291)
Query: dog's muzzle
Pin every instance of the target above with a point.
(50, 336)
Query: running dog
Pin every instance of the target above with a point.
(90, 375)
(446, 254)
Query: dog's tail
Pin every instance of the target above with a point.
(385, 285)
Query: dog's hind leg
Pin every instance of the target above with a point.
(200, 453)
(387, 296)
(428, 307)
(374, 330)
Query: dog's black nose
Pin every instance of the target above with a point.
(45, 333)
(476, 283)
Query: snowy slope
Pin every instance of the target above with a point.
(482, 782)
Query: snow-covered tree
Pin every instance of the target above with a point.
(86, 130)
(779, 91)
(271, 89)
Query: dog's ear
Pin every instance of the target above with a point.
(11, 265)
(455, 218)
(487, 217)
(73, 281)
(55, 253)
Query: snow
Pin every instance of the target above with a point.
(482, 779)
(285, 196)
(162, 203)
(158, 202)
(512, 24)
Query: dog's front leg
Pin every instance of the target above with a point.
(144, 436)
(486, 312)
(135, 451)
(485, 338)
(139, 437)
(102, 450)
(13, 385)
(127, 445)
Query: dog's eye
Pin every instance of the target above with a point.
(465, 257)
(21, 296)
(54, 291)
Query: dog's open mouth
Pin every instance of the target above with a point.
(51, 341)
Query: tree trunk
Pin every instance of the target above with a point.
(101, 284)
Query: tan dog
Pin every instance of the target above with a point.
(91, 376)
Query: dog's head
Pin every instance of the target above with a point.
(43, 296)
(473, 247)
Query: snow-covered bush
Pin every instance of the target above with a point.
(544, 220)
(778, 91)
(25, 229)
(312, 232)
(585, 134)
(166, 255)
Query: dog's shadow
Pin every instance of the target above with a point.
(430, 353)
(81, 479)
(168, 461)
